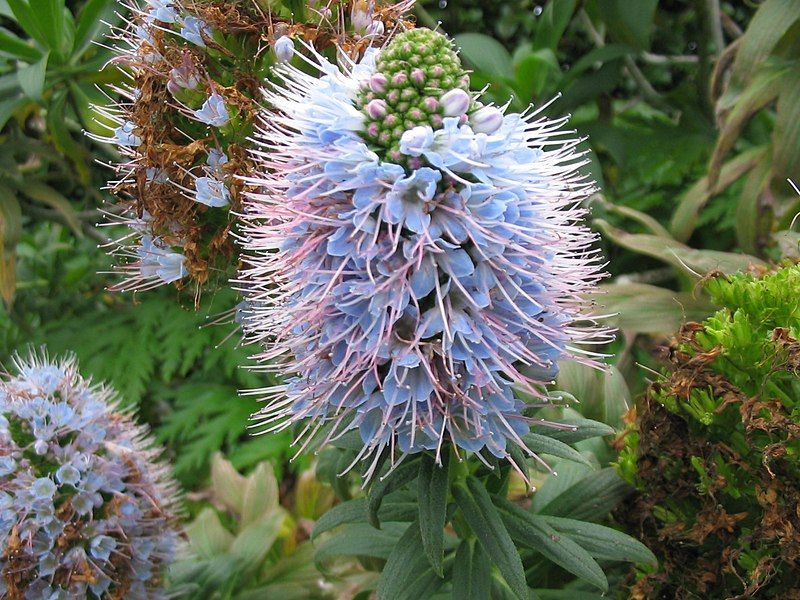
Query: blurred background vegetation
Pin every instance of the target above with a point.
(691, 114)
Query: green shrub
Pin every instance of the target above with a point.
(714, 449)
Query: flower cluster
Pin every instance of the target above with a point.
(86, 511)
(183, 121)
(414, 257)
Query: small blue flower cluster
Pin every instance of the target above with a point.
(155, 258)
(420, 285)
(86, 511)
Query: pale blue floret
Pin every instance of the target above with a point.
(211, 192)
(193, 30)
(213, 112)
(157, 261)
(124, 136)
(162, 10)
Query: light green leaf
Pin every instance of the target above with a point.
(13, 46)
(581, 429)
(786, 135)
(552, 23)
(360, 539)
(50, 17)
(31, 78)
(591, 498)
(432, 497)
(535, 533)
(485, 54)
(692, 262)
(602, 542)
(207, 536)
(770, 23)
(27, 19)
(644, 308)
(484, 520)
(90, 21)
(260, 495)
(684, 219)
(255, 541)
(45, 194)
(227, 484)
(544, 444)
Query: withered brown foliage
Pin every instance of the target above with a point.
(702, 547)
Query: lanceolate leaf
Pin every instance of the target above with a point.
(684, 219)
(543, 444)
(786, 135)
(484, 520)
(407, 574)
(533, 532)
(360, 539)
(31, 78)
(690, 261)
(485, 54)
(602, 542)
(581, 429)
(90, 20)
(471, 572)
(433, 490)
(591, 498)
(772, 20)
(396, 479)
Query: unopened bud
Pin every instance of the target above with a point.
(284, 48)
(486, 120)
(377, 83)
(376, 109)
(455, 103)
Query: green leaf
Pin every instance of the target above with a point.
(533, 532)
(533, 71)
(748, 213)
(403, 474)
(770, 23)
(629, 22)
(8, 106)
(484, 520)
(256, 539)
(45, 194)
(471, 572)
(355, 511)
(62, 139)
(227, 484)
(407, 574)
(89, 23)
(591, 498)
(786, 135)
(552, 23)
(360, 539)
(684, 219)
(207, 536)
(31, 78)
(601, 541)
(692, 262)
(10, 231)
(485, 54)
(644, 308)
(580, 429)
(567, 595)
(50, 17)
(760, 92)
(260, 495)
(433, 490)
(544, 444)
(27, 20)
(13, 46)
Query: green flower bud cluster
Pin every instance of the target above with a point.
(413, 72)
